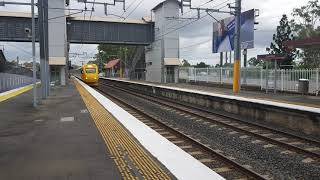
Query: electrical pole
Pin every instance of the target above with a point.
(33, 36)
(245, 56)
(17, 64)
(41, 45)
(34, 78)
(237, 54)
(221, 59)
(226, 58)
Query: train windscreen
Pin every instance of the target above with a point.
(90, 70)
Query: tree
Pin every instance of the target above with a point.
(185, 63)
(284, 33)
(201, 65)
(107, 52)
(255, 62)
(305, 26)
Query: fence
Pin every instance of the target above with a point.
(282, 80)
(12, 81)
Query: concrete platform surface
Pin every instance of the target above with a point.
(180, 163)
(57, 140)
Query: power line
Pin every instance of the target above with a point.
(128, 8)
(133, 10)
(197, 44)
(192, 21)
(24, 51)
(192, 9)
(180, 27)
(84, 18)
(92, 9)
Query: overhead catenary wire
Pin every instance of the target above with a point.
(24, 51)
(190, 22)
(128, 8)
(195, 17)
(140, 2)
(196, 44)
(92, 9)
(84, 19)
(191, 10)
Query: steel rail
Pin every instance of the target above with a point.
(191, 108)
(212, 152)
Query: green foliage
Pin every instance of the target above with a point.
(228, 65)
(305, 26)
(201, 65)
(255, 62)
(284, 33)
(185, 63)
(107, 52)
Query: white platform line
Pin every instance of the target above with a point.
(178, 162)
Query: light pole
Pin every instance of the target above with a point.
(3, 3)
(34, 79)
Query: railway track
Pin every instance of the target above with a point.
(293, 144)
(223, 165)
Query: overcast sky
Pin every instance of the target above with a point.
(199, 31)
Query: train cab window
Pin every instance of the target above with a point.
(90, 70)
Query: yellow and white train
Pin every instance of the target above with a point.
(90, 74)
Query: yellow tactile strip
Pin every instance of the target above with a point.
(15, 93)
(131, 159)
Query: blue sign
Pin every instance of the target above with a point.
(223, 33)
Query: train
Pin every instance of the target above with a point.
(90, 74)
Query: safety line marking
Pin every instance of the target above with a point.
(16, 92)
(129, 156)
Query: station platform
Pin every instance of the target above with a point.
(77, 133)
(286, 98)
(288, 112)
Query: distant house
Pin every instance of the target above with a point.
(3, 61)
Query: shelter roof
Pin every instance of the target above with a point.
(303, 43)
(172, 62)
(112, 63)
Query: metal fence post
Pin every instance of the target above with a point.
(317, 81)
(207, 74)
(281, 79)
(195, 74)
(261, 77)
(220, 75)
